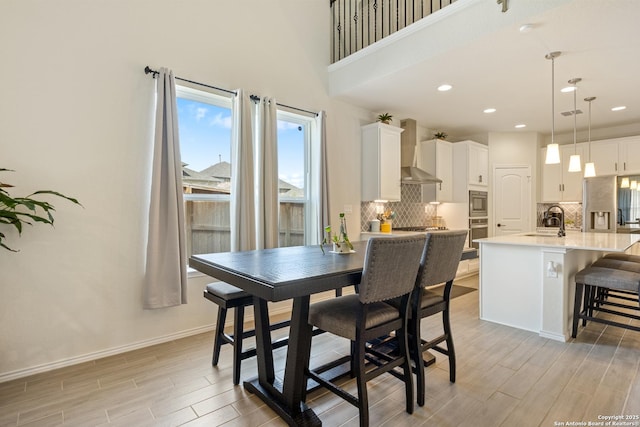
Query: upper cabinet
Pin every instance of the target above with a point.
(380, 162)
(619, 156)
(478, 164)
(436, 157)
(471, 166)
(558, 184)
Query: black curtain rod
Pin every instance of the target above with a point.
(256, 98)
(148, 70)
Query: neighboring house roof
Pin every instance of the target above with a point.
(220, 170)
(216, 179)
(199, 182)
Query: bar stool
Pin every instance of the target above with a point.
(606, 274)
(622, 262)
(622, 256)
(227, 296)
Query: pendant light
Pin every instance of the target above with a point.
(589, 167)
(625, 182)
(574, 160)
(553, 151)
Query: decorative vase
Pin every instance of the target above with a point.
(341, 248)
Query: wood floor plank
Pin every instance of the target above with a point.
(570, 406)
(505, 377)
(605, 400)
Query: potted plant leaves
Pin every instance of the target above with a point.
(18, 211)
(385, 118)
(340, 241)
(440, 135)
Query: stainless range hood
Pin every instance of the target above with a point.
(409, 172)
(415, 175)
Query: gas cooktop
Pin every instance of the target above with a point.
(420, 228)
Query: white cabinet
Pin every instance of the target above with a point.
(470, 169)
(478, 165)
(619, 156)
(605, 156)
(380, 162)
(468, 267)
(436, 157)
(558, 184)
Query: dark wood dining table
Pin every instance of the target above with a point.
(281, 274)
(275, 275)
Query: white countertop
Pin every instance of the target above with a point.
(470, 252)
(391, 233)
(628, 228)
(610, 242)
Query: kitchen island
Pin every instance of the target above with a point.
(527, 280)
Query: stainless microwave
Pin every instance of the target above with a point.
(477, 203)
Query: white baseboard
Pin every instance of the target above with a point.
(274, 309)
(20, 373)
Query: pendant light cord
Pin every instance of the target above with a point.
(553, 113)
(589, 99)
(575, 114)
(589, 134)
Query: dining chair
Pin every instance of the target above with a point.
(439, 264)
(390, 268)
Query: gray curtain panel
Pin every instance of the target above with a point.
(165, 283)
(323, 212)
(266, 154)
(243, 223)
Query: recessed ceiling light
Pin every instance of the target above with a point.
(526, 28)
(520, 126)
(568, 89)
(444, 87)
(620, 108)
(490, 110)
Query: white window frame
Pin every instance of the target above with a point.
(205, 97)
(310, 200)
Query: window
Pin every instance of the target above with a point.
(205, 147)
(294, 136)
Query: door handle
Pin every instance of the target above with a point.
(498, 225)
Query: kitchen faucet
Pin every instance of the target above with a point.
(561, 232)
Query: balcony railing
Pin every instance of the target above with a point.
(358, 23)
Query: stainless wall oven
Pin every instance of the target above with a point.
(477, 203)
(478, 229)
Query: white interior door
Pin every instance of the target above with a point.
(512, 200)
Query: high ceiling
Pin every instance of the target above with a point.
(491, 63)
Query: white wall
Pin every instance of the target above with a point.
(75, 116)
(515, 149)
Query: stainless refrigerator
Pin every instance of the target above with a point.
(599, 204)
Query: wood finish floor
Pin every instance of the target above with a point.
(506, 377)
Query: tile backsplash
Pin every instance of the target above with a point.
(410, 210)
(572, 211)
